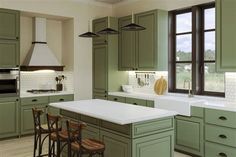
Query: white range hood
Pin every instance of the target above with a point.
(40, 55)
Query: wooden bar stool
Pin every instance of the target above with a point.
(57, 135)
(85, 146)
(39, 130)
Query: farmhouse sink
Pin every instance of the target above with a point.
(180, 104)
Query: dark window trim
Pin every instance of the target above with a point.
(197, 50)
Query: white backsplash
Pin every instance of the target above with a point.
(147, 88)
(230, 86)
(230, 83)
(44, 80)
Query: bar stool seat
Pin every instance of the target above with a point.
(89, 145)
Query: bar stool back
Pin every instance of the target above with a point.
(39, 130)
(83, 146)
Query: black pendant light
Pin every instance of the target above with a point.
(88, 34)
(108, 30)
(133, 26)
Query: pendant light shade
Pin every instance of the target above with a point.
(133, 26)
(108, 30)
(88, 34)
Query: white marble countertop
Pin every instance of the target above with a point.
(208, 102)
(115, 112)
(27, 94)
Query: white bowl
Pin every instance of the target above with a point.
(127, 88)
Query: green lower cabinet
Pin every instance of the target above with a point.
(216, 150)
(139, 102)
(27, 123)
(116, 98)
(189, 135)
(8, 117)
(158, 145)
(100, 96)
(116, 146)
(150, 103)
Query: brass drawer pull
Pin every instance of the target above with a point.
(34, 100)
(222, 155)
(223, 136)
(222, 118)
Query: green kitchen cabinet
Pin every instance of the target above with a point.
(116, 145)
(225, 35)
(100, 68)
(9, 117)
(9, 24)
(58, 98)
(106, 76)
(189, 136)
(91, 132)
(150, 45)
(116, 98)
(139, 102)
(127, 54)
(9, 52)
(27, 122)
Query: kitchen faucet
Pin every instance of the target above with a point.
(190, 95)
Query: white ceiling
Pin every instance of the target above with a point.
(109, 1)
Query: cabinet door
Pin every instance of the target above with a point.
(8, 119)
(27, 122)
(9, 52)
(189, 135)
(146, 41)
(9, 24)
(116, 146)
(90, 132)
(126, 46)
(225, 35)
(100, 69)
(139, 102)
(98, 25)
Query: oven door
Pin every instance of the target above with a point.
(8, 87)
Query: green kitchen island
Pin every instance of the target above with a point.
(127, 130)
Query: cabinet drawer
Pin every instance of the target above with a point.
(221, 135)
(116, 98)
(150, 103)
(69, 114)
(219, 117)
(216, 150)
(90, 120)
(139, 102)
(34, 101)
(197, 112)
(61, 98)
(124, 129)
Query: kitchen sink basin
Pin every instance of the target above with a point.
(180, 104)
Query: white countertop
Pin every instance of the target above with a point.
(115, 112)
(207, 102)
(27, 94)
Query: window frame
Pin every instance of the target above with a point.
(198, 44)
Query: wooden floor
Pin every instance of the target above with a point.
(23, 147)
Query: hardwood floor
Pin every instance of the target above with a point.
(23, 147)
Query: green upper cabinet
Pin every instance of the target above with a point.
(9, 24)
(8, 117)
(150, 45)
(98, 25)
(9, 38)
(127, 59)
(100, 68)
(9, 52)
(106, 76)
(225, 35)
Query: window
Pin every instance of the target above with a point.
(192, 51)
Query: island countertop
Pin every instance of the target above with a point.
(115, 112)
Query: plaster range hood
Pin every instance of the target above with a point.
(40, 56)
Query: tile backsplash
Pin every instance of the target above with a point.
(45, 80)
(149, 87)
(230, 83)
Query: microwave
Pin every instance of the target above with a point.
(9, 82)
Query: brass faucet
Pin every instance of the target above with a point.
(190, 95)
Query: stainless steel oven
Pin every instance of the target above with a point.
(9, 82)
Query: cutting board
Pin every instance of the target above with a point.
(160, 86)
